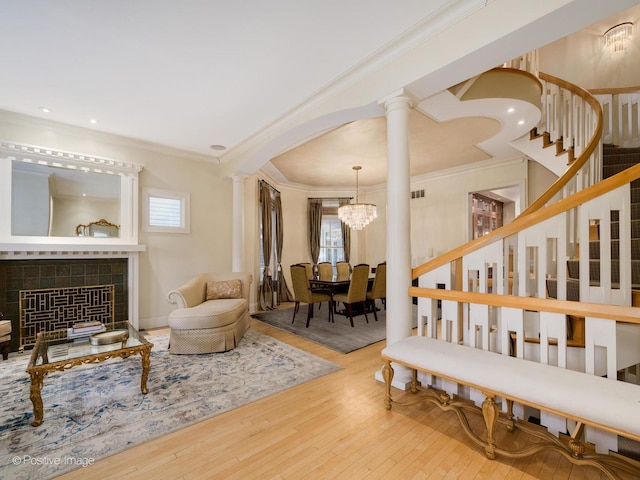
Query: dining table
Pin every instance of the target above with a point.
(333, 286)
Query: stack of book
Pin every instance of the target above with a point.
(85, 329)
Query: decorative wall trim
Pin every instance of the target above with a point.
(61, 158)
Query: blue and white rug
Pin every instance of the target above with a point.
(94, 411)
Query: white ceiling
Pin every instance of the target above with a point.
(194, 73)
(189, 73)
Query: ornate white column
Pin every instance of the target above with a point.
(237, 224)
(399, 311)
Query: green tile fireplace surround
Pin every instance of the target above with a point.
(32, 274)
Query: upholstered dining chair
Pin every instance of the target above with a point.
(357, 293)
(303, 293)
(379, 288)
(325, 271)
(343, 270)
(309, 269)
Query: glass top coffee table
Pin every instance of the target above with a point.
(55, 351)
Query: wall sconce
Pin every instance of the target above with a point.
(617, 37)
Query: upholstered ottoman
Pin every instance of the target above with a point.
(212, 314)
(5, 337)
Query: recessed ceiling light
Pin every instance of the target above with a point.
(511, 110)
(93, 121)
(521, 122)
(218, 148)
(45, 110)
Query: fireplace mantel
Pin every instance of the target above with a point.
(16, 251)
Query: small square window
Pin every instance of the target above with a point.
(165, 211)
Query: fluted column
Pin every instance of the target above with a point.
(237, 224)
(399, 311)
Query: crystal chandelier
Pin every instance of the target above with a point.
(357, 215)
(616, 38)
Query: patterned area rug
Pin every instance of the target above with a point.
(94, 411)
(339, 336)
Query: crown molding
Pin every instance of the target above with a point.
(61, 158)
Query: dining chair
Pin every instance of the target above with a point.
(309, 269)
(343, 269)
(357, 293)
(303, 294)
(379, 288)
(325, 271)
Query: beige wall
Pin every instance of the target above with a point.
(581, 59)
(173, 258)
(440, 221)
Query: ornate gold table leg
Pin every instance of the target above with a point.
(146, 366)
(490, 413)
(576, 446)
(37, 380)
(511, 419)
(387, 374)
(414, 381)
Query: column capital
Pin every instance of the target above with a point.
(239, 177)
(401, 97)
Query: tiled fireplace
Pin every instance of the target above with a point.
(30, 270)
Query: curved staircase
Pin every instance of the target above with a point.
(518, 291)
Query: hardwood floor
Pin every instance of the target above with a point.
(333, 427)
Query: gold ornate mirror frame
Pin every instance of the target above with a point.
(101, 228)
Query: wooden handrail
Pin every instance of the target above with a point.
(580, 161)
(522, 222)
(614, 90)
(581, 309)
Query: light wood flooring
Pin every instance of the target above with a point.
(333, 427)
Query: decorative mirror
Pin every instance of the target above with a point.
(52, 196)
(52, 201)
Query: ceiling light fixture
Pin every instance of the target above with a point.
(93, 121)
(617, 37)
(45, 110)
(217, 148)
(357, 215)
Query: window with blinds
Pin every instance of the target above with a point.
(165, 211)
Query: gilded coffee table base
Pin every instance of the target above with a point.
(37, 373)
(37, 379)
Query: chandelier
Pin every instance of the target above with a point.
(357, 215)
(616, 37)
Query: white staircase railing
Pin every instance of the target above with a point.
(621, 113)
(492, 292)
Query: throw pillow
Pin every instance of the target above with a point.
(224, 289)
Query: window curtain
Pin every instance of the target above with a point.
(346, 233)
(284, 295)
(265, 293)
(315, 226)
